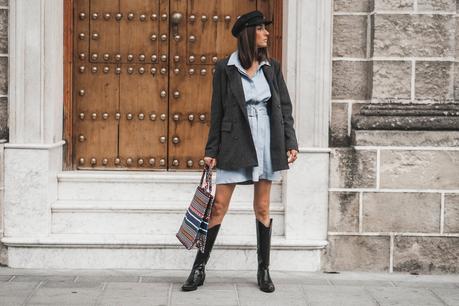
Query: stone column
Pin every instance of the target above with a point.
(307, 70)
(33, 155)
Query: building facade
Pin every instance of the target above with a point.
(375, 185)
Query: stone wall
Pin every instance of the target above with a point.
(3, 69)
(394, 172)
(3, 107)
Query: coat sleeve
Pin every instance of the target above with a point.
(216, 113)
(286, 107)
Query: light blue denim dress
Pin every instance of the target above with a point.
(257, 94)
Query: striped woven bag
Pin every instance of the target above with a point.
(193, 230)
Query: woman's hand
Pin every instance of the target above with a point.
(210, 161)
(291, 155)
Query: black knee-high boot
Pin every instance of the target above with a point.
(198, 273)
(263, 249)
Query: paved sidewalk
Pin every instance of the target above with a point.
(162, 287)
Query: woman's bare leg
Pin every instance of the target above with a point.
(261, 200)
(223, 195)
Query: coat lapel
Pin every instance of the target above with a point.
(234, 78)
(269, 75)
(236, 87)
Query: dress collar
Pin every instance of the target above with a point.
(234, 60)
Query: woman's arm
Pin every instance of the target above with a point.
(216, 113)
(286, 107)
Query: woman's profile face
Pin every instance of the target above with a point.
(261, 36)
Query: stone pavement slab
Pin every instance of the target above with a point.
(222, 288)
(338, 295)
(405, 296)
(449, 295)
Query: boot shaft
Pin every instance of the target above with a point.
(202, 258)
(263, 243)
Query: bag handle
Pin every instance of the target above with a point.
(207, 171)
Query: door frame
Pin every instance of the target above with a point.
(276, 52)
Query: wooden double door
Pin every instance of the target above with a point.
(142, 78)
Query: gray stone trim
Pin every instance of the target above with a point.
(400, 116)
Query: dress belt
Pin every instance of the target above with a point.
(254, 109)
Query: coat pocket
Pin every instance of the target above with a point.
(227, 126)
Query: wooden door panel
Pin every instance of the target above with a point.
(104, 37)
(144, 85)
(213, 36)
(143, 117)
(96, 128)
(95, 97)
(81, 33)
(140, 31)
(189, 115)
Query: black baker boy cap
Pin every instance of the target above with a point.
(249, 19)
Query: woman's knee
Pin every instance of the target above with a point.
(219, 209)
(262, 209)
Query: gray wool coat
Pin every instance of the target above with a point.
(230, 140)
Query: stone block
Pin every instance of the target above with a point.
(437, 5)
(357, 253)
(434, 81)
(3, 254)
(424, 35)
(419, 169)
(4, 31)
(401, 212)
(339, 125)
(351, 80)
(397, 5)
(352, 6)
(356, 108)
(451, 224)
(343, 211)
(3, 75)
(457, 34)
(391, 80)
(350, 36)
(350, 168)
(456, 77)
(427, 255)
(4, 2)
(3, 118)
(405, 138)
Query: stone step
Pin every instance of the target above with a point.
(139, 186)
(148, 217)
(62, 251)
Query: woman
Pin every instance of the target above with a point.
(251, 137)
